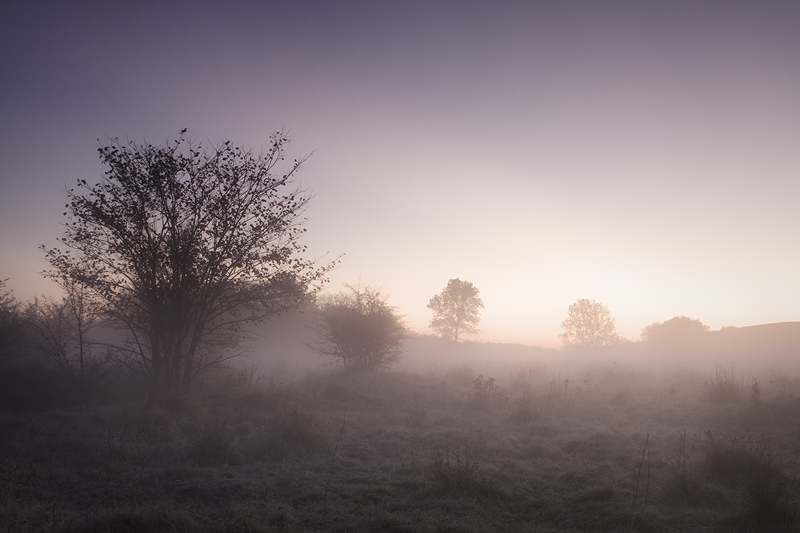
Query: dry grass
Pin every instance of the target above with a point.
(723, 387)
(611, 450)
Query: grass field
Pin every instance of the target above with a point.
(607, 447)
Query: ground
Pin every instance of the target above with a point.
(609, 447)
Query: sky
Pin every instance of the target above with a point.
(642, 154)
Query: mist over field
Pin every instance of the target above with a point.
(752, 350)
(467, 436)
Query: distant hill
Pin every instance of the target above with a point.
(424, 352)
(765, 346)
(767, 340)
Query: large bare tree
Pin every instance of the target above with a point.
(183, 245)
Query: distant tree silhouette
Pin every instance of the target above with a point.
(456, 309)
(182, 246)
(589, 324)
(679, 329)
(360, 329)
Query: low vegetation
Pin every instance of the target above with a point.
(608, 447)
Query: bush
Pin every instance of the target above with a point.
(755, 392)
(360, 329)
(684, 485)
(485, 391)
(526, 409)
(740, 462)
(459, 474)
(214, 447)
(291, 433)
(12, 330)
(35, 388)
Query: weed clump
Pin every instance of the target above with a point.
(214, 447)
(526, 409)
(291, 433)
(684, 484)
(486, 392)
(152, 420)
(755, 392)
(740, 462)
(723, 387)
(459, 474)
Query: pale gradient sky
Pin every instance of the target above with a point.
(642, 154)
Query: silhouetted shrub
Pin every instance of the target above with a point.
(291, 433)
(459, 474)
(359, 329)
(768, 491)
(214, 446)
(783, 385)
(755, 392)
(526, 409)
(155, 421)
(684, 485)
(12, 328)
(35, 388)
(740, 462)
(485, 391)
(728, 458)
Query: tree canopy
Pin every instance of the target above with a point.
(360, 329)
(589, 324)
(456, 309)
(183, 245)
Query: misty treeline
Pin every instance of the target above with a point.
(168, 260)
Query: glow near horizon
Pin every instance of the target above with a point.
(645, 158)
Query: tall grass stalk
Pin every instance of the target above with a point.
(645, 453)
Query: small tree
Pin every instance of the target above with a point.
(676, 330)
(183, 246)
(360, 329)
(589, 324)
(62, 333)
(456, 310)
